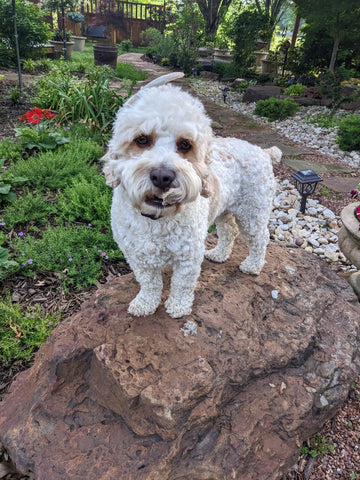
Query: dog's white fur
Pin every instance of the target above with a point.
(225, 181)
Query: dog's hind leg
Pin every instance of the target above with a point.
(149, 297)
(227, 231)
(256, 240)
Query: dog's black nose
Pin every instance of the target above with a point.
(162, 177)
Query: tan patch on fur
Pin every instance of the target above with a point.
(214, 193)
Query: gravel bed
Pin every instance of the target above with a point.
(297, 128)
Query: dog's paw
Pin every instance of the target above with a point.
(177, 309)
(216, 255)
(250, 268)
(140, 307)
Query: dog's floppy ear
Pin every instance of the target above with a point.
(169, 77)
(111, 179)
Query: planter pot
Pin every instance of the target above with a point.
(222, 55)
(259, 56)
(349, 242)
(79, 43)
(105, 54)
(268, 66)
(59, 47)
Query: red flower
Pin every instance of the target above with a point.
(48, 115)
(36, 115)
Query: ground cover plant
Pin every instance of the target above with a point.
(54, 203)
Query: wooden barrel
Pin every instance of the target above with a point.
(105, 54)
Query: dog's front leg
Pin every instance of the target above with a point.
(183, 283)
(149, 297)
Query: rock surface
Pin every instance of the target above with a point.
(229, 392)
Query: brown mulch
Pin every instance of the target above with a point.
(45, 290)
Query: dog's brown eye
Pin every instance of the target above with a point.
(184, 146)
(143, 141)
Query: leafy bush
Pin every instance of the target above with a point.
(295, 90)
(28, 208)
(4, 261)
(330, 85)
(56, 169)
(126, 45)
(40, 136)
(87, 201)
(93, 101)
(6, 192)
(349, 133)
(276, 108)
(248, 27)
(9, 150)
(323, 120)
(31, 28)
(22, 331)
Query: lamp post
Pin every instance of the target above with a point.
(225, 92)
(305, 182)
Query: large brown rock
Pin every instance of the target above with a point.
(260, 366)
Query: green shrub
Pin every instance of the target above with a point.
(75, 253)
(92, 100)
(56, 169)
(9, 150)
(31, 28)
(7, 183)
(86, 201)
(126, 45)
(295, 90)
(30, 207)
(5, 262)
(323, 120)
(349, 133)
(276, 108)
(22, 331)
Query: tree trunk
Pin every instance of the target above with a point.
(335, 46)
(295, 31)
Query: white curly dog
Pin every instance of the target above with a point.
(172, 179)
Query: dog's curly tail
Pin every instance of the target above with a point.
(169, 77)
(274, 153)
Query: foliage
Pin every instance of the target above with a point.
(318, 447)
(276, 108)
(76, 253)
(126, 45)
(323, 120)
(54, 5)
(57, 168)
(128, 72)
(330, 85)
(30, 207)
(295, 90)
(31, 27)
(349, 133)
(4, 261)
(187, 34)
(86, 200)
(59, 36)
(248, 27)
(15, 95)
(29, 65)
(40, 137)
(93, 101)
(22, 331)
(9, 150)
(6, 185)
(213, 12)
(75, 17)
(334, 36)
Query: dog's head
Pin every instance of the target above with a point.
(159, 149)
